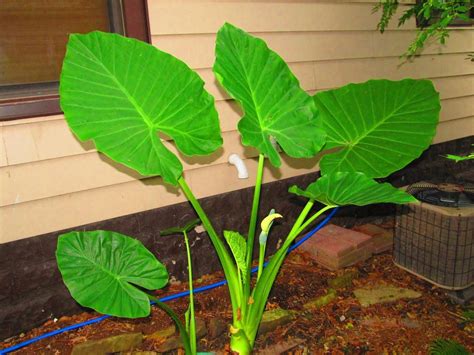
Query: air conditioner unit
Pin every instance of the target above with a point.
(435, 238)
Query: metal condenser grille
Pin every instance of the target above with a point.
(436, 246)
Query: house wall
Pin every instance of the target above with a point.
(50, 181)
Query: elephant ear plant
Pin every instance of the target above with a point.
(123, 94)
(102, 270)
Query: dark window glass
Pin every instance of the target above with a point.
(33, 37)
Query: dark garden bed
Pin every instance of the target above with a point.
(342, 326)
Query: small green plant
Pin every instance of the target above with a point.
(468, 316)
(458, 158)
(102, 270)
(190, 318)
(123, 94)
(434, 17)
(447, 347)
(111, 266)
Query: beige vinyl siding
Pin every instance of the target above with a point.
(36, 217)
(50, 181)
(102, 171)
(303, 47)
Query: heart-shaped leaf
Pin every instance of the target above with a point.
(275, 107)
(380, 125)
(238, 247)
(101, 269)
(349, 188)
(122, 93)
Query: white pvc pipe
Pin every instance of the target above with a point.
(235, 160)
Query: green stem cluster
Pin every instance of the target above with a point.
(230, 270)
(248, 304)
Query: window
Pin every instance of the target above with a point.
(33, 41)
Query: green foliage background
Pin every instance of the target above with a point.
(434, 17)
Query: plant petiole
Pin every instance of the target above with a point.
(313, 218)
(230, 270)
(182, 329)
(192, 321)
(253, 221)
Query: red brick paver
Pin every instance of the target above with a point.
(335, 247)
(382, 239)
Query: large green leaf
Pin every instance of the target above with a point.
(238, 246)
(349, 188)
(275, 107)
(380, 125)
(122, 93)
(101, 269)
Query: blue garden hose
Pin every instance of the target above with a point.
(163, 299)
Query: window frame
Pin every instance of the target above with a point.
(136, 25)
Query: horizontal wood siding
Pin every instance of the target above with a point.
(296, 47)
(50, 181)
(190, 17)
(72, 209)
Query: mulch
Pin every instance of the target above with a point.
(340, 327)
